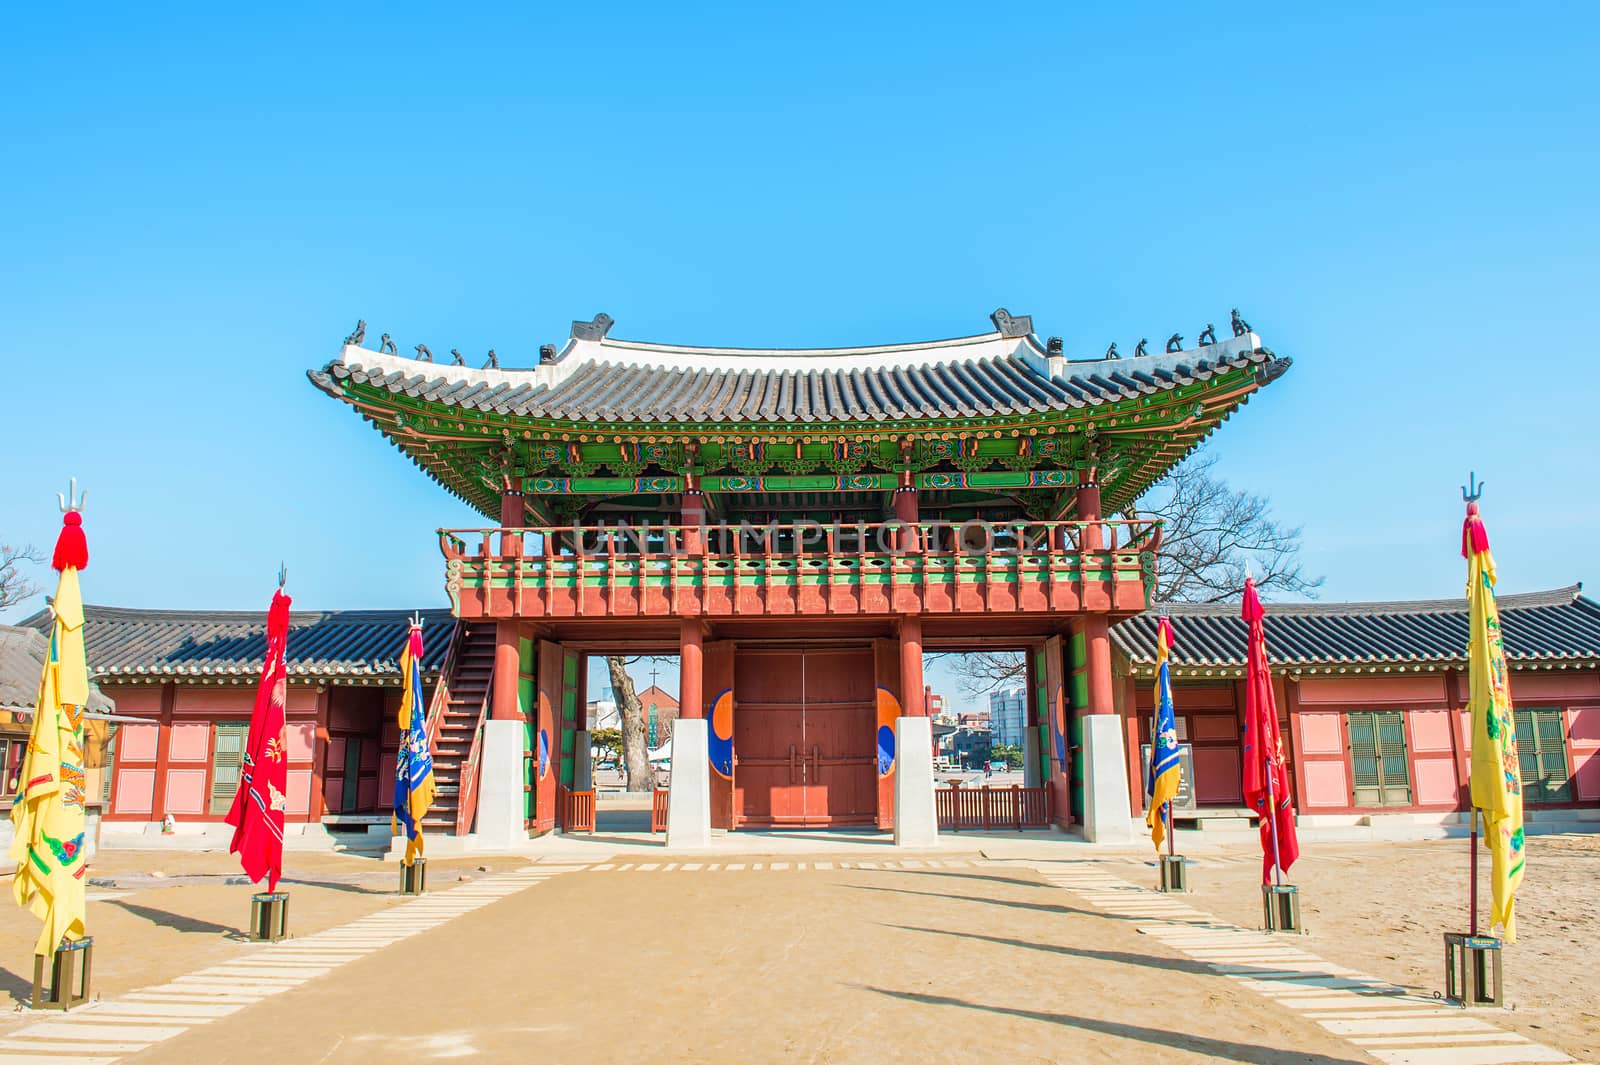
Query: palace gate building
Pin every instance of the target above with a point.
(799, 527)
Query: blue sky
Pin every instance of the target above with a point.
(200, 202)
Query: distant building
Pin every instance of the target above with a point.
(1008, 715)
(660, 711)
(603, 713)
(966, 745)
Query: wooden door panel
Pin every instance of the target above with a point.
(768, 732)
(841, 772)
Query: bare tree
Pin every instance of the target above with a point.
(635, 725)
(15, 587)
(1210, 532)
(635, 752)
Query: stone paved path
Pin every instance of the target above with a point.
(105, 1031)
(1383, 1020)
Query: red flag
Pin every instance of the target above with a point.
(257, 814)
(1264, 769)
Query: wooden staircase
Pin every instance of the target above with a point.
(455, 722)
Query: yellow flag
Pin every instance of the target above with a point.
(47, 818)
(1496, 773)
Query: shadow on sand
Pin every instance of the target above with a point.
(1217, 1048)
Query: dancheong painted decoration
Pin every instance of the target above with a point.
(798, 527)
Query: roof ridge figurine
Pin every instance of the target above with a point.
(1111, 352)
(1139, 349)
(1208, 335)
(423, 354)
(358, 334)
(386, 346)
(1012, 327)
(1240, 326)
(456, 359)
(494, 361)
(1174, 343)
(595, 330)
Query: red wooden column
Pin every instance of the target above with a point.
(912, 703)
(1088, 508)
(691, 669)
(1097, 664)
(507, 656)
(1095, 628)
(905, 509)
(693, 511)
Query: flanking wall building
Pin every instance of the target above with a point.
(798, 528)
(1371, 697)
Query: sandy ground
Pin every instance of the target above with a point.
(982, 962)
(150, 928)
(925, 966)
(1383, 909)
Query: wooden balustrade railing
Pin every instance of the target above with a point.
(576, 809)
(467, 794)
(988, 808)
(658, 810)
(595, 544)
(801, 568)
(441, 690)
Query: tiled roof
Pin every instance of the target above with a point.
(22, 652)
(228, 645)
(1554, 627)
(623, 381)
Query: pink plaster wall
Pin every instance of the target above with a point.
(1321, 733)
(190, 742)
(301, 736)
(1430, 730)
(298, 788)
(186, 791)
(137, 743)
(1586, 771)
(1583, 727)
(1325, 784)
(135, 792)
(1436, 781)
(1371, 689)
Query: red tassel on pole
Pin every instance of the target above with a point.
(1474, 534)
(72, 550)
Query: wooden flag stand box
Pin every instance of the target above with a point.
(1280, 908)
(1174, 874)
(70, 968)
(1472, 969)
(269, 916)
(414, 877)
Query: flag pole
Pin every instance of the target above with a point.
(1472, 879)
(1469, 496)
(1272, 816)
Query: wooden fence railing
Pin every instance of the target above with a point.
(576, 809)
(658, 810)
(986, 809)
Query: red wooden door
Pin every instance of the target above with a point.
(804, 738)
(841, 720)
(768, 739)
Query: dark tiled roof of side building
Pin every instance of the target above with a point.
(1551, 629)
(227, 645)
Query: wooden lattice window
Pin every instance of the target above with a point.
(1542, 752)
(227, 758)
(1381, 771)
